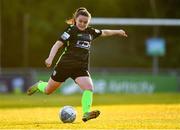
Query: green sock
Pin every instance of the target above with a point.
(86, 100)
(41, 86)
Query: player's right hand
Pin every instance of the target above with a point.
(48, 62)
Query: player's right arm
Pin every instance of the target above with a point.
(53, 52)
(65, 36)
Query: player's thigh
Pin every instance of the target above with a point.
(84, 82)
(52, 86)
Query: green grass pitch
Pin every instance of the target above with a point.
(118, 111)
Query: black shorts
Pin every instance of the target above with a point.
(61, 74)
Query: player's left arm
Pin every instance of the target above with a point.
(106, 32)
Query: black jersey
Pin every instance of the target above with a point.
(77, 45)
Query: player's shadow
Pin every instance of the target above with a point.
(41, 123)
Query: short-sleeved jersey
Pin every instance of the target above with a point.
(77, 45)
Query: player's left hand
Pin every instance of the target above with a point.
(123, 33)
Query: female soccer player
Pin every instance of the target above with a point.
(74, 61)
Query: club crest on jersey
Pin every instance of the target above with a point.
(65, 36)
(54, 73)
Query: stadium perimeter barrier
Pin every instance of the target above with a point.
(123, 81)
(104, 81)
(15, 80)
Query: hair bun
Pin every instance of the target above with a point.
(81, 8)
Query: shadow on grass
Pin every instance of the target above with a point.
(40, 123)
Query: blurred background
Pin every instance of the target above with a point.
(148, 61)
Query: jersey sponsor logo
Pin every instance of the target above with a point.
(65, 36)
(83, 44)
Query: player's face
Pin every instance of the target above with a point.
(82, 22)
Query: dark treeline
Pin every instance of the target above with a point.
(29, 28)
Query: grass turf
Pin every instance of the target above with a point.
(117, 111)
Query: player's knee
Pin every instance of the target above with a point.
(91, 88)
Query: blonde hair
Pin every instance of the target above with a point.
(80, 11)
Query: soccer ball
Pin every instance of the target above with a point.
(67, 114)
